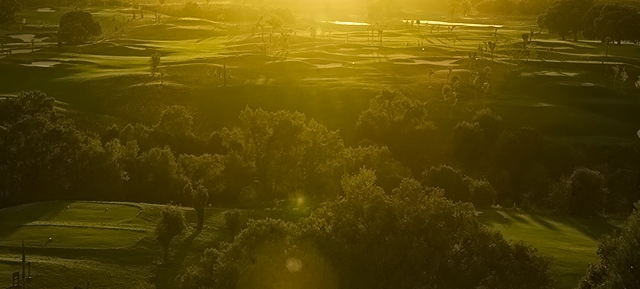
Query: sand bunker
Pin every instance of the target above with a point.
(23, 37)
(349, 23)
(46, 10)
(444, 23)
(45, 64)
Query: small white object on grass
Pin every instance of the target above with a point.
(67, 207)
(48, 241)
(106, 210)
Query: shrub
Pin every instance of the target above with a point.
(586, 192)
(483, 194)
(619, 264)
(583, 193)
(452, 181)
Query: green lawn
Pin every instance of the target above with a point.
(112, 248)
(571, 241)
(564, 92)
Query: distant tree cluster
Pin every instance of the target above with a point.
(605, 22)
(509, 7)
(219, 12)
(273, 159)
(8, 10)
(487, 165)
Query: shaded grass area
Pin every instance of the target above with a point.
(113, 248)
(571, 241)
(119, 257)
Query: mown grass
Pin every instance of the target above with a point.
(327, 78)
(112, 248)
(571, 241)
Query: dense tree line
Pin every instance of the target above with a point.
(409, 237)
(605, 22)
(509, 7)
(269, 158)
(272, 159)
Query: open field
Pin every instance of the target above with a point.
(115, 248)
(559, 87)
(112, 248)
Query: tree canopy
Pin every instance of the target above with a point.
(8, 10)
(409, 238)
(619, 256)
(78, 26)
(614, 21)
(564, 17)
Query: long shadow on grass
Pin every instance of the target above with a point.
(593, 227)
(516, 217)
(167, 273)
(492, 216)
(543, 222)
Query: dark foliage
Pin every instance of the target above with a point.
(413, 238)
(614, 21)
(452, 181)
(172, 223)
(8, 10)
(564, 17)
(77, 27)
(619, 256)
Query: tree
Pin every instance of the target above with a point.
(199, 198)
(43, 156)
(515, 154)
(8, 10)
(233, 221)
(410, 238)
(468, 143)
(205, 169)
(400, 123)
(154, 62)
(586, 192)
(614, 21)
(77, 27)
(582, 193)
(564, 17)
(154, 177)
(490, 123)
(171, 224)
(483, 194)
(619, 256)
(389, 172)
(454, 183)
(284, 153)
